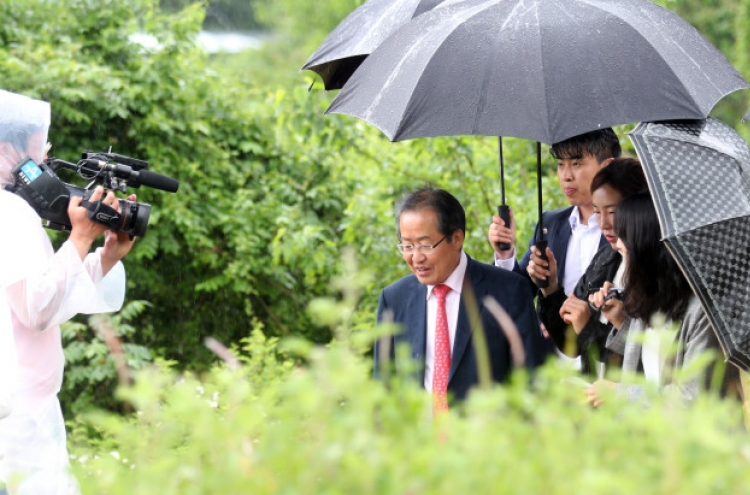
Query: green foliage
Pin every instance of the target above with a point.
(723, 22)
(304, 22)
(91, 373)
(326, 427)
(235, 15)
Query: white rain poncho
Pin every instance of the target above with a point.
(8, 363)
(40, 290)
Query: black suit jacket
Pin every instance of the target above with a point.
(558, 235)
(405, 302)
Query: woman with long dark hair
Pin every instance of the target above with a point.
(654, 285)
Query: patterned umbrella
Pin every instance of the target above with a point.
(699, 175)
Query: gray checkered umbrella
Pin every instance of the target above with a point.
(699, 175)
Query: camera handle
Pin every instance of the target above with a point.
(104, 214)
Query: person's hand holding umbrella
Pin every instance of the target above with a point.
(500, 234)
(540, 268)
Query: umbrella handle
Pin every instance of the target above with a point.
(504, 212)
(541, 245)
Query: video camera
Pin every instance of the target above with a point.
(39, 185)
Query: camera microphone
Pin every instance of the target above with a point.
(157, 181)
(137, 178)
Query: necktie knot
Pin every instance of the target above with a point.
(441, 292)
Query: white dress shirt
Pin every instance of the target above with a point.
(452, 302)
(582, 246)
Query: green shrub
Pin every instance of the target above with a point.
(327, 427)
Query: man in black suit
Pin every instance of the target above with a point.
(573, 233)
(431, 229)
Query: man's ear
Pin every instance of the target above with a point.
(607, 162)
(458, 238)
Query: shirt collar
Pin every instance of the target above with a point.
(456, 279)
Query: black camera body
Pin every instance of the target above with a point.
(39, 185)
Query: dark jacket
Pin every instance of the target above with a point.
(590, 343)
(405, 302)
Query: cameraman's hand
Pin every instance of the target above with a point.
(116, 243)
(83, 231)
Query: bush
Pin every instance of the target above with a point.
(274, 426)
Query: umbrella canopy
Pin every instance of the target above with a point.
(358, 35)
(699, 176)
(544, 70)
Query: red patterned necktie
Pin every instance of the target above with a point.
(442, 363)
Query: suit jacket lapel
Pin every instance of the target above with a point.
(416, 324)
(559, 243)
(462, 340)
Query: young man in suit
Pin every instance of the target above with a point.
(573, 233)
(431, 230)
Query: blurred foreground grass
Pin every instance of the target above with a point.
(274, 425)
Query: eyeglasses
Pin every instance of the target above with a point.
(422, 248)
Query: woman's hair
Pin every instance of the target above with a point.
(624, 175)
(653, 281)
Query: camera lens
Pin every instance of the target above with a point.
(135, 217)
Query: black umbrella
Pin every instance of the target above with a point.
(538, 69)
(359, 34)
(544, 70)
(699, 176)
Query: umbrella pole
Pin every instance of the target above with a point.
(541, 240)
(503, 210)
